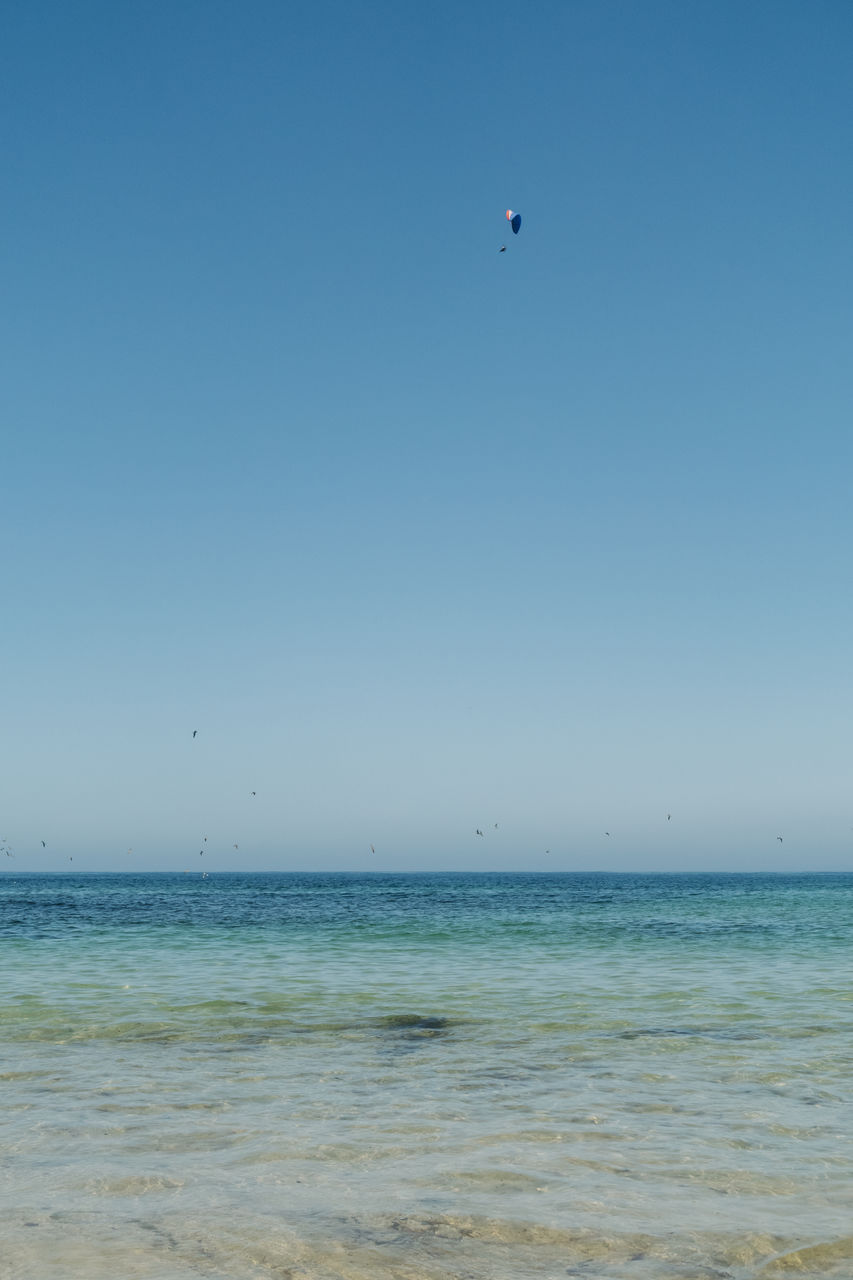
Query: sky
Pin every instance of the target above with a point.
(416, 536)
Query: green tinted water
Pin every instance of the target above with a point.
(435, 1076)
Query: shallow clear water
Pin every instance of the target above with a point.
(478, 1076)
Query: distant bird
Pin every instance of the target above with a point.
(502, 249)
(205, 839)
(254, 793)
(236, 846)
(195, 731)
(669, 817)
(43, 845)
(496, 826)
(478, 832)
(372, 850)
(779, 838)
(607, 833)
(201, 853)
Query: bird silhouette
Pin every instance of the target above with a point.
(195, 731)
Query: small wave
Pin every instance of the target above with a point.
(816, 1259)
(710, 1033)
(138, 1185)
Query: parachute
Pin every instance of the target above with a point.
(514, 220)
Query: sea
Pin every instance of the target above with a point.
(426, 1077)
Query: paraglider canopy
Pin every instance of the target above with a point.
(514, 220)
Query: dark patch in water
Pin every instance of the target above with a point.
(410, 1026)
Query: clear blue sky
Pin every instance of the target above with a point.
(421, 537)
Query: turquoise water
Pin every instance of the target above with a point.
(424, 1077)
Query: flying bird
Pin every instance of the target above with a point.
(502, 249)
(372, 850)
(254, 793)
(478, 832)
(43, 845)
(195, 731)
(779, 838)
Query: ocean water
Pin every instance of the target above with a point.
(426, 1077)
